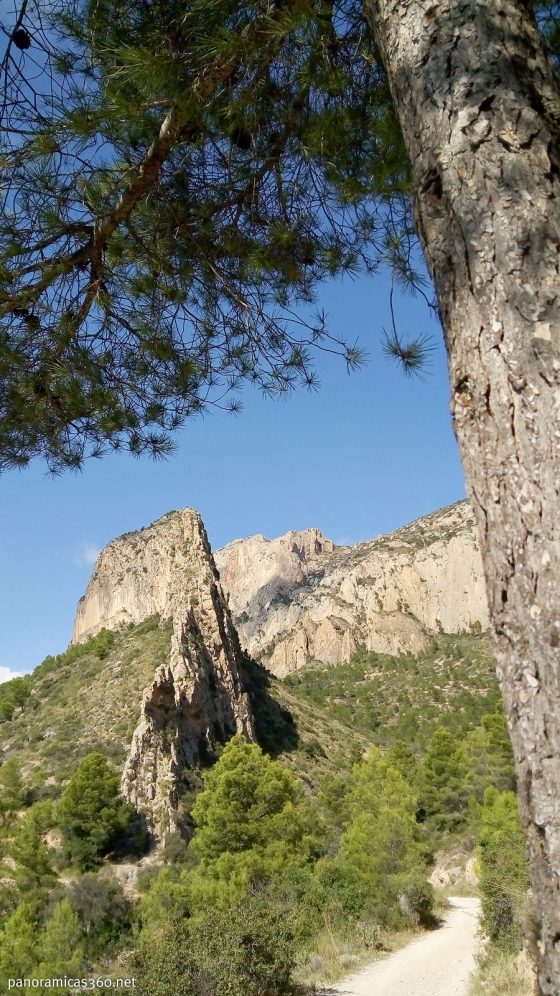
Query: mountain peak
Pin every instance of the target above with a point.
(300, 597)
(195, 699)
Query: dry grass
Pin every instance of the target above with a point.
(336, 955)
(502, 973)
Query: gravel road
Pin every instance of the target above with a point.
(437, 964)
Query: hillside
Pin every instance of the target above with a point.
(329, 869)
(450, 685)
(89, 699)
(86, 699)
(318, 721)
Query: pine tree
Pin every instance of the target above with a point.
(197, 171)
(18, 942)
(29, 850)
(443, 789)
(12, 791)
(252, 820)
(381, 860)
(60, 947)
(91, 813)
(488, 757)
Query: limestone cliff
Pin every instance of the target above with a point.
(300, 597)
(196, 699)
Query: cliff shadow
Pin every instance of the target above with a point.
(275, 727)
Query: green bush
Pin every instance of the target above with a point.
(504, 871)
(245, 950)
(252, 820)
(93, 816)
(13, 695)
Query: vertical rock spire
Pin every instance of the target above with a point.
(196, 699)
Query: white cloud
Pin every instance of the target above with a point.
(6, 674)
(86, 555)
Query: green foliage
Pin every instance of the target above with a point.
(13, 695)
(504, 872)
(251, 818)
(142, 109)
(382, 860)
(29, 850)
(244, 950)
(92, 815)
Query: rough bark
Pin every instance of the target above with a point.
(479, 105)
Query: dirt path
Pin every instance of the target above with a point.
(437, 964)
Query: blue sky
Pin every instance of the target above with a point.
(368, 452)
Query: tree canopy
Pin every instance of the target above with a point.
(177, 182)
(252, 820)
(91, 813)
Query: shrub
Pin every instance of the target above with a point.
(504, 873)
(13, 695)
(245, 950)
(103, 911)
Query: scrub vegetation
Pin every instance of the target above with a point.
(310, 851)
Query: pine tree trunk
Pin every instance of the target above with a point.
(479, 106)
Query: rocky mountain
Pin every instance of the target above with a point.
(295, 599)
(300, 597)
(195, 699)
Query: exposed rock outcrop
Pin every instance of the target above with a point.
(300, 598)
(196, 699)
(294, 599)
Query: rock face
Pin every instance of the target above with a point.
(294, 599)
(300, 598)
(196, 699)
